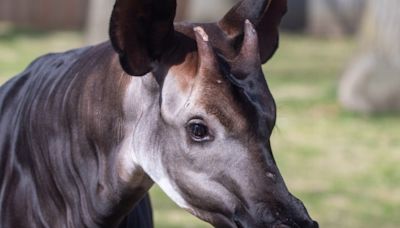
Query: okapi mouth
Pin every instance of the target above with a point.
(243, 220)
(271, 219)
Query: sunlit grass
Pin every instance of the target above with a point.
(19, 47)
(344, 166)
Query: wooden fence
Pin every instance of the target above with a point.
(45, 14)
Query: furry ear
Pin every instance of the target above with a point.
(265, 15)
(141, 31)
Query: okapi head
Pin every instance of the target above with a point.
(207, 145)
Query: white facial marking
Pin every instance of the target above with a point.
(128, 167)
(137, 154)
(166, 186)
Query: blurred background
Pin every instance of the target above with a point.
(336, 80)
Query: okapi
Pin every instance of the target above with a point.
(86, 133)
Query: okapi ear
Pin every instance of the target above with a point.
(141, 31)
(265, 15)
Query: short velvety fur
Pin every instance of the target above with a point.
(85, 134)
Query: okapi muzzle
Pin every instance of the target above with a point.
(85, 134)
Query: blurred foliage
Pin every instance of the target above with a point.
(18, 47)
(343, 166)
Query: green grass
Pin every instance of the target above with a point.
(19, 47)
(344, 166)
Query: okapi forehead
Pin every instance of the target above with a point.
(255, 95)
(219, 98)
(234, 91)
(212, 91)
(252, 94)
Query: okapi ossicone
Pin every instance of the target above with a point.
(85, 134)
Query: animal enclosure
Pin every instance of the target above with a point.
(45, 14)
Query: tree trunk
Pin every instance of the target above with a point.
(99, 13)
(334, 18)
(295, 18)
(208, 10)
(372, 81)
(181, 11)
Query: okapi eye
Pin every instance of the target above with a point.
(198, 131)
